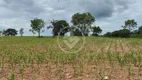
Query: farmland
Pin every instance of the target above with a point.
(32, 58)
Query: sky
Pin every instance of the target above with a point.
(109, 14)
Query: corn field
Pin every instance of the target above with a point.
(32, 58)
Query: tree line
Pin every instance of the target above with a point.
(129, 30)
(82, 25)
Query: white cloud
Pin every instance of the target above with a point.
(110, 14)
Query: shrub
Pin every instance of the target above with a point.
(124, 33)
(108, 34)
(136, 35)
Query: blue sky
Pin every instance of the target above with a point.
(110, 14)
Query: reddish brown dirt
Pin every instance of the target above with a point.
(90, 71)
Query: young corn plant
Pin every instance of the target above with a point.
(139, 59)
(59, 64)
(60, 69)
(129, 68)
(80, 65)
(12, 77)
(35, 76)
(22, 67)
(2, 61)
(140, 68)
(31, 62)
(115, 46)
(75, 69)
(133, 58)
(120, 60)
(108, 50)
(99, 57)
(109, 56)
(89, 58)
(122, 48)
(102, 75)
(40, 58)
(11, 62)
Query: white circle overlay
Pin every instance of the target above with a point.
(70, 46)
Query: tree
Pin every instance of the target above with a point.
(130, 24)
(108, 34)
(31, 30)
(140, 30)
(76, 32)
(10, 32)
(82, 22)
(60, 27)
(124, 33)
(3, 33)
(0, 33)
(37, 25)
(137, 33)
(96, 30)
(21, 31)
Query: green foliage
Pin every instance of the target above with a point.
(1, 33)
(124, 33)
(10, 32)
(60, 27)
(21, 31)
(83, 22)
(30, 55)
(136, 36)
(137, 33)
(130, 24)
(12, 77)
(76, 32)
(96, 30)
(37, 25)
(108, 34)
(31, 30)
(140, 30)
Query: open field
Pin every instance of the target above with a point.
(32, 58)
